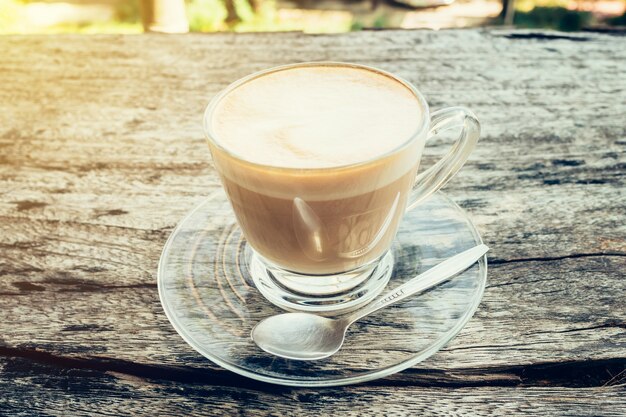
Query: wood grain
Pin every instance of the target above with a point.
(102, 152)
(80, 392)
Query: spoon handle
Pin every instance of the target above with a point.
(435, 275)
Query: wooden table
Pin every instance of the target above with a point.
(102, 152)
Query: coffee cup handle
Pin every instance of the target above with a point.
(439, 174)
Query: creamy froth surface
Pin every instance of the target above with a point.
(316, 117)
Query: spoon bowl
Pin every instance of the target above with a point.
(302, 336)
(305, 336)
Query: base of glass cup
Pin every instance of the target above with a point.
(327, 295)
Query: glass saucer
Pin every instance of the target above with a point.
(210, 299)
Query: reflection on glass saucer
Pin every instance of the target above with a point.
(210, 299)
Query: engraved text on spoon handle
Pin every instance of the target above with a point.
(436, 275)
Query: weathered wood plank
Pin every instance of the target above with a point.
(542, 311)
(134, 144)
(42, 389)
(101, 153)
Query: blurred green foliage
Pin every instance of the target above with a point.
(617, 21)
(212, 16)
(128, 11)
(380, 22)
(11, 14)
(357, 25)
(558, 18)
(528, 5)
(206, 15)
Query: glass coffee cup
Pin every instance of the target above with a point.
(320, 162)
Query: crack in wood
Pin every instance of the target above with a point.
(84, 286)
(608, 325)
(504, 284)
(25, 205)
(73, 285)
(158, 231)
(494, 346)
(546, 36)
(554, 258)
(576, 373)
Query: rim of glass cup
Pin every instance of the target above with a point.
(212, 137)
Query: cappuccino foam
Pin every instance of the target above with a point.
(316, 117)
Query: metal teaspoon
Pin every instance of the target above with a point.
(305, 336)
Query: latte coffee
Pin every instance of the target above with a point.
(317, 162)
